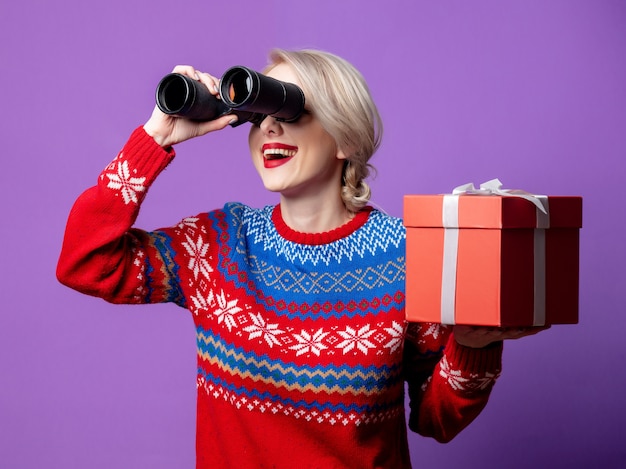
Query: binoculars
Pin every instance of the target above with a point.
(245, 93)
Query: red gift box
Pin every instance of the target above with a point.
(492, 260)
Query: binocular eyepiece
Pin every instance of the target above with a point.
(249, 95)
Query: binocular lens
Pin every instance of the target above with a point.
(239, 87)
(174, 93)
(237, 94)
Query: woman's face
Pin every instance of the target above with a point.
(297, 159)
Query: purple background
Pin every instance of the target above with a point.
(532, 92)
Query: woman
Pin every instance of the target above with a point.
(303, 349)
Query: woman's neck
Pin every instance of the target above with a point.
(312, 215)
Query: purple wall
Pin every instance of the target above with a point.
(532, 92)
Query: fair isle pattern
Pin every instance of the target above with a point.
(331, 414)
(283, 281)
(301, 282)
(221, 362)
(171, 291)
(144, 270)
(271, 341)
(342, 379)
(216, 305)
(376, 236)
(358, 339)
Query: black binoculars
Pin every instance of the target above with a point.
(245, 93)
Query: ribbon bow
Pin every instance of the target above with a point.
(494, 187)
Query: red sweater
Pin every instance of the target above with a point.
(303, 350)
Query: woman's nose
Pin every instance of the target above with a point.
(270, 125)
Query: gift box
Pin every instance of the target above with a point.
(492, 257)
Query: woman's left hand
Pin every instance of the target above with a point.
(481, 336)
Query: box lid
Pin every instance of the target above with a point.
(492, 211)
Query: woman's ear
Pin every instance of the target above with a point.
(340, 155)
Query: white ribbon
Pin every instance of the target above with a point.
(450, 219)
(450, 254)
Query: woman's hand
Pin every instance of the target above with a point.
(481, 336)
(168, 130)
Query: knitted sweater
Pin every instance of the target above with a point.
(302, 345)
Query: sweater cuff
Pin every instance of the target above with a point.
(475, 360)
(147, 155)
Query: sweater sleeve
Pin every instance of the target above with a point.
(448, 384)
(102, 255)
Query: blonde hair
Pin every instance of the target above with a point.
(340, 98)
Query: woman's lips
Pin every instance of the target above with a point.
(277, 154)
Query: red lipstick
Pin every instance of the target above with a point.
(276, 154)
